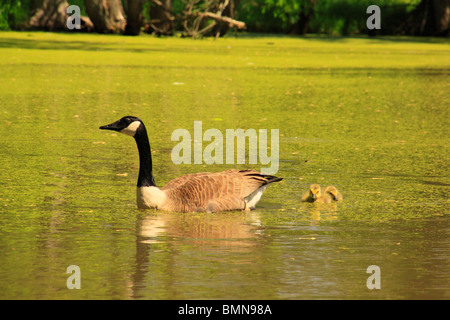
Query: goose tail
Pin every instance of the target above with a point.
(263, 178)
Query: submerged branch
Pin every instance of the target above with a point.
(230, 21)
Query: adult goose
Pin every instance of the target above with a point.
(211, 192)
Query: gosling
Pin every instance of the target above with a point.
(316, 194)
(312, 194)
(333, 193)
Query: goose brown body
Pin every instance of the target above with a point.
(212, 192)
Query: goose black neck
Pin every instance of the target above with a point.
(145, 178)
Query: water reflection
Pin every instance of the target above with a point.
(321, 212)
(208, 228)
(165, 242)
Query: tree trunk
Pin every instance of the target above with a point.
(441, 17)
(135, 18)
(161, 17)
(49, 14)
(429, 18)
(106, 15)
(304, 18)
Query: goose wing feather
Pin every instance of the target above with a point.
(214, 191)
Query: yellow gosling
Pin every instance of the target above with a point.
(333, 193)
(324, 198)
(312, 194)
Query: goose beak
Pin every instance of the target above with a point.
(112, 126)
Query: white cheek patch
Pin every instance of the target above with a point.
(131, 129)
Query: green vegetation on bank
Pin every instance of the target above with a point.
(336, 17)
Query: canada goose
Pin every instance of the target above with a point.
(211, 192)
(312, 194)
(334, 193)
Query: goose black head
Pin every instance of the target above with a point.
(127, 125)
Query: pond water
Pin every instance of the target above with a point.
(368, 116)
